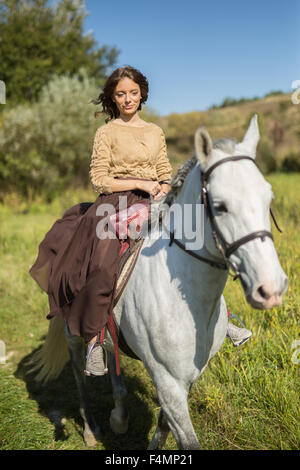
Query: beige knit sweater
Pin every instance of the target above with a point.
(121, 151)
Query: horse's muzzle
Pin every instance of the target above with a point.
(267, 295)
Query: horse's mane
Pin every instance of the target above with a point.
(159, 208)
(227, 145)
(179, 179)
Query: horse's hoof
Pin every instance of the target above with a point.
(91, 439)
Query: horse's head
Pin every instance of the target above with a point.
(240, 198)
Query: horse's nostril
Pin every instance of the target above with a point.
(263, 293)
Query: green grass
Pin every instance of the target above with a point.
(248, 398)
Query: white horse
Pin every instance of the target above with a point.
(172, 313)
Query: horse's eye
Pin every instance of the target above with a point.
(220, 207)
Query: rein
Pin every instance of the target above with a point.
(226, 249)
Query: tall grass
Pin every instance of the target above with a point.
(248, 398)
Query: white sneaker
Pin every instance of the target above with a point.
(238, 335)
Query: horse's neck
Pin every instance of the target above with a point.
(202, 285)
(190, 195)
(200, 281)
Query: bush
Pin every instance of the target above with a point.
(274, 93)
(228, 101)
(265, 159)
(291, 163)
(284, 105)
(43, 146)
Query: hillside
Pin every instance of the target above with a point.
(279, 122)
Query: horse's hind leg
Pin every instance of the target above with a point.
(119, 415)
(76, 347)
(161, 433)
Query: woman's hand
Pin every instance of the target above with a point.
(151, 187)
(165, 188)
(159, 195)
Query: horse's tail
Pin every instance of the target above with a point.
(53, 355)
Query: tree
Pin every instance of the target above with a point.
(38, 41)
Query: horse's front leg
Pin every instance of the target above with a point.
(91, 433)
(119, 415)
(172, 396)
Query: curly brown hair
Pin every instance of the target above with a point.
(105, 97)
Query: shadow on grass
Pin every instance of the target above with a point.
(59, 399)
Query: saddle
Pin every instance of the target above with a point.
(128, 226)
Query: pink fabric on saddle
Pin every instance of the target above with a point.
(127, 223)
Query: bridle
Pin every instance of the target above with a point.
(225, 248)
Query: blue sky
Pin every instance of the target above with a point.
(197, 53)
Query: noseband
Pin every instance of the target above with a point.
(226, 249)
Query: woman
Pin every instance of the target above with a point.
(76, 267)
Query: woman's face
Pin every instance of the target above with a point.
(127, 96)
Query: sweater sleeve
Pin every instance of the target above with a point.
(163, 166)
(100, 163)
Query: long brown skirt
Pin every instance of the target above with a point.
(78, 269)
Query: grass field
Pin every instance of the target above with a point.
(248, 398)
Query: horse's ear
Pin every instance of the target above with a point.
(251, 137)
(203, 146)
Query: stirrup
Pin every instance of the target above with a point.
(102, 366)
(246, 337)
(229, 314)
